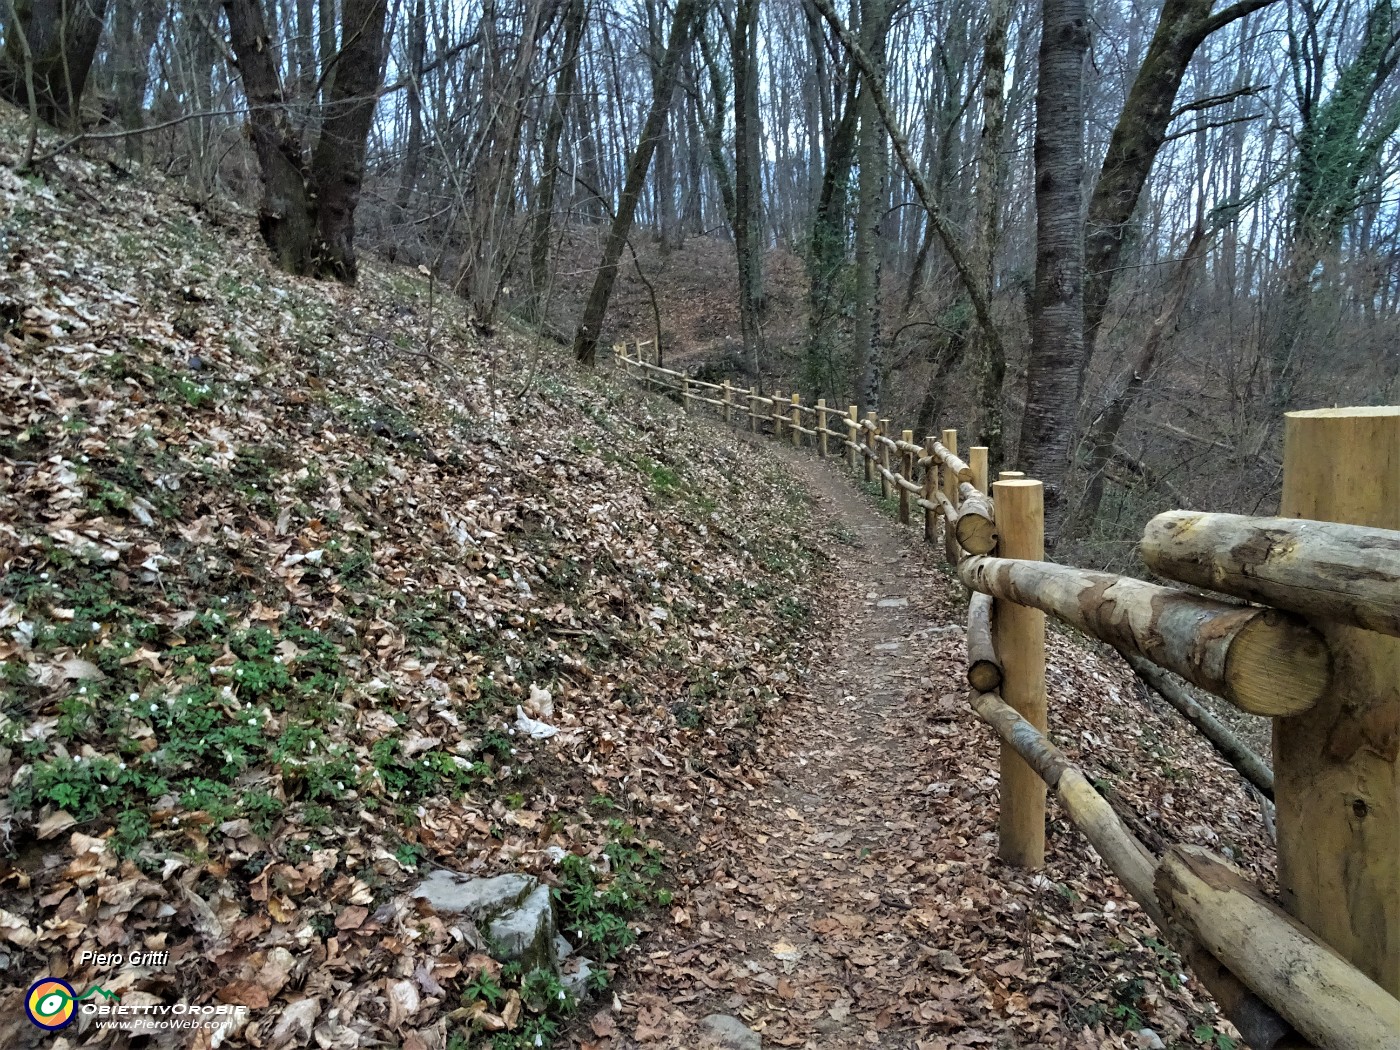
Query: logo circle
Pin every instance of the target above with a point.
(50, 1003)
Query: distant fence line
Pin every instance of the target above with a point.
(1318, 653)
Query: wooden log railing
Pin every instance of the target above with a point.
(1318, 652)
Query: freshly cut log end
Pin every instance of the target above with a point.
(1277, 666)
(1263, 661)
(976, 528)
(984, 676)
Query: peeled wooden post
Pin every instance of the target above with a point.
(950, 489)
(796, 417)
(728, 417)
(1019, 642)
(870, 427)
(776, 412)
(977, 460)
(906, 471)
(821, 427)
(884, 460)
(853, 433)
(753, 412)
(1336, 780)
(930, 493)
(685, 393)
(1011, 475)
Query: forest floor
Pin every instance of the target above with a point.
(289, 570)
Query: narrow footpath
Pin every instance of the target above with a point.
(849, 895)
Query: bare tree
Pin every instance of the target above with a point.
(52, 44)
(307, 213)
(684, 24)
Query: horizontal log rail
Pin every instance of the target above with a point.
(1318, 653)
(1260, 1023)
(1261, 660)
(1344, 573)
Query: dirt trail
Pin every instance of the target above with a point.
(844, 890)
(815, 922)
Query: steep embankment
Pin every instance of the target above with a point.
(280, 562)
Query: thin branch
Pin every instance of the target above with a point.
(99, 136)
(1211, 101)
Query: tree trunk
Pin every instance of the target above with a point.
(135, 27)
(338, 165)
(413, 148)
(1057, 305)
(988, 358)
(1133, 147)
(307, 214)
(554, 131)
(870, 208)
(62, 36)
(826, 254)
(286, 218)
(1103, 435)
(748, 205)
(683, 27)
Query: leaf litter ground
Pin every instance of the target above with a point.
(281, 576)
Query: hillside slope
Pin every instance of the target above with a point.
(281, 561)
(293, 572)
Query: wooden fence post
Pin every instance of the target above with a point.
(1336, 779)
(821, 427)
(906, 470)
(753, 419)
(728, 417)
(884, 459)
(977, 460)
(950, 489)
(685, 394)
(869, 451)
(775, 412)
(1011, 475)
(930, 493)
(1020, 644)
(796, 420)
(853, 433)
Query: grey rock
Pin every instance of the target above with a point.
(892, 603)
(526, 932)
(482, 899)
(562, 948)
(730, 1032)
(575, 980)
